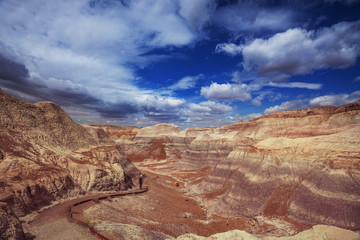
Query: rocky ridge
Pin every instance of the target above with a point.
(301, 166)
(45, 156)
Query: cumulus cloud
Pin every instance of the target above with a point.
(335, 99)
(154, 103)
(227, 92)
(85, 53)
(215, 108)
(326, 100)
(289, 105)
(245, 91)
(208, 113)
(186, 82)
(96, 43)
(297, 51)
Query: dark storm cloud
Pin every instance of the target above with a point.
(12, 71)
(69, 98)
(15, 76)
(115, 110)
(162, 117)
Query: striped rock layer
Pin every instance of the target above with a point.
(302, 165)
(45, 156)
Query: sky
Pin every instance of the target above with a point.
(191, 63)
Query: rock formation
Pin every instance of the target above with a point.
(45, 155)
(318, 232)
(302, 166)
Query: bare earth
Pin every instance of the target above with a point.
(58, 221)
(165, 208)
(165, 211)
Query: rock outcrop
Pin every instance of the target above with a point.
(318, 232)
(45, 155)
(10, 226)
(302, 166)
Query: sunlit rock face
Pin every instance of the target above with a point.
(302, 165)
(45, 155)
(319, 232)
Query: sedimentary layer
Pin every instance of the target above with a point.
(45, 155)
(302, 165)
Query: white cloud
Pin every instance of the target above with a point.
(160, 21)
(253, 16)
(244, 91)
(313, 86)
(297, 51)
(208, 113)
(227, 92)
(326, 100)
(357, 79)
(250, 116)
(289, 105)
(93, 44)
(197, 13)
(228, 48)
(156, 103)
(216, 107)
(186, 82)
(257, 100)
(208, 108)
(335, 99)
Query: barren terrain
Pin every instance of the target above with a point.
(168, 209)
(287, 173)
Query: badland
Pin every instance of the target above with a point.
(293, 174)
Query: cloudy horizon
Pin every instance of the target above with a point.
(190, 63)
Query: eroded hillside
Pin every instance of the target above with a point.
(302, 166)
(275, 175)
(45, 156)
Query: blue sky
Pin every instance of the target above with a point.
(186, 62)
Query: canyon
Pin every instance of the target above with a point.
(278, 175)
(46, 156)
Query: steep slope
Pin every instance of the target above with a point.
(45, 155)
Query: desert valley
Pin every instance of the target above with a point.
(286, 175)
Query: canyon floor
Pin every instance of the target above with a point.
(166, 210)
